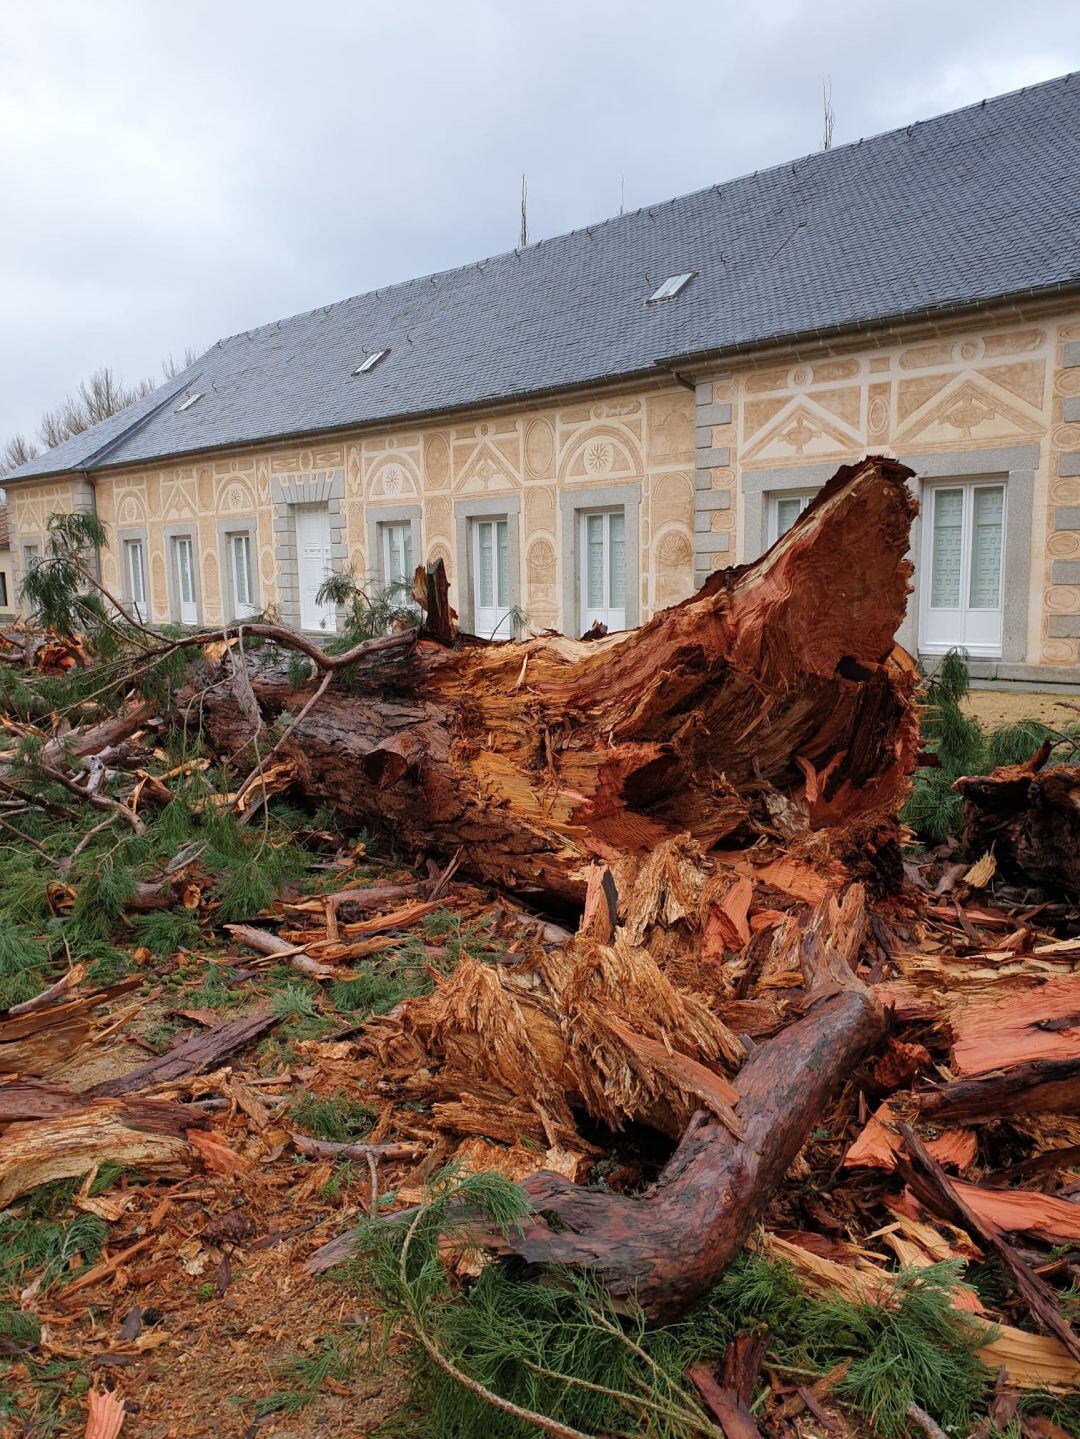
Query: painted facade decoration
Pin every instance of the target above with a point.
(998, 401)
(531, 459)
(1001, 401)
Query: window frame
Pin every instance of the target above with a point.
(386, 529)
(502, 607)
(968, 486)
(229, 529)
(172, 535)
(605, 513)
(775, 499)
(127, 537)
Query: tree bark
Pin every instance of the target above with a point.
(667, 1246)
(1043, 1086)
(542, 758)
(1030, 818)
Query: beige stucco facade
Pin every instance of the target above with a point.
(696, 463)
(542, 464)
(7, 583)
(998, 399)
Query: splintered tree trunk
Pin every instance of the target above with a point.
(538, 759)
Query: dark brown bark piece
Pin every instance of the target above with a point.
(743, 1359)
(23, 1099)
(669, 1244)
(932, 1187)
(1030, 818)
(1045, 1086)
(200, 1052)
(729, 1411)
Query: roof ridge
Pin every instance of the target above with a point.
(433, 277)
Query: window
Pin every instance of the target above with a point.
(243, 587)
(785, 509)
(370, 362)
(603, 569)
(671, 287)
(491, 578)
(397, 554)
(188, 401)
(135, 575)
(961, 587)
(184, 579)
(3, 590)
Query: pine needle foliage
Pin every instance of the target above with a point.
(336, 1117)
(23, 967)
(914, 1348)
(965, 747)
(304, 1375)
(559, 1348)
(370, 610)
(57, 1248)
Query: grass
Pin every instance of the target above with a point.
(304, 1375)
(336, 1117)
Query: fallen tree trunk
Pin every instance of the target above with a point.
(773, 705)
(777, 683)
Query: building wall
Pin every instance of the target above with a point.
(536, 464)
(29, 508)
(7, 586)
(996, 399)
(695, 472)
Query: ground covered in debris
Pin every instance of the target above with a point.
(308, 1128)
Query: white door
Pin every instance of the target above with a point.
(184, 563)
(243, 584)
(491, 571)
(603, 569)
(964, 548)
(397, 556)
(133, 553)
(313, 554)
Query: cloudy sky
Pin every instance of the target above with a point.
(173, 173)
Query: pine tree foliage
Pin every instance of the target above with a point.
(965, 747)
(559, 1348)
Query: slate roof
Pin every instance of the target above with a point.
(972, 206)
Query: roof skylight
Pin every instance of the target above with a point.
(371, 361)
(670, 288)
(188, 400)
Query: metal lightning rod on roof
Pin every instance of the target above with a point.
(523, 239)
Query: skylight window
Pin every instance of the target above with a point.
(371, 361)
(188, 401)
(670, 288)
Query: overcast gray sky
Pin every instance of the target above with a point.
(172, 173)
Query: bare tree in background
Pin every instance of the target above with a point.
(828, 116)
(98, 397)
(170, 367)
(16, 452)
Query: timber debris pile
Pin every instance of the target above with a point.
(434, 1036)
